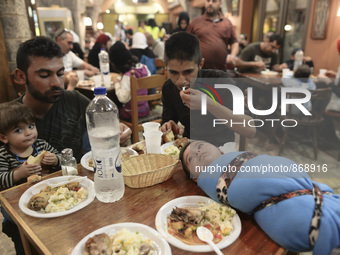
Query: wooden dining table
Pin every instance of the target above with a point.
(260, 81)
(61, 234)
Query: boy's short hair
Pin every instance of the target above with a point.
(39, 46)
(182, 46)
(181, 154)
(11, 114)
(302, 71)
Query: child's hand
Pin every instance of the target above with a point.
(49, 159)
(26, 170)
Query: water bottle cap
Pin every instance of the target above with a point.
(100, 91)
(102, 49)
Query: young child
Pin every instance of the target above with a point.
(19, 135)
(124, 62)
(297, 213)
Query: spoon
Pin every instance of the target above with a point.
(206, 236)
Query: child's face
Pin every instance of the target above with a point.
(200, 153)
(22, 136)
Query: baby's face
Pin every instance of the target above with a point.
(199, 154)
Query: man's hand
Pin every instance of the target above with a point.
(73, 79)
(125, 134)
(260, 64)
(191, 98)
(171, 126)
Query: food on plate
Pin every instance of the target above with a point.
(172, 150)
(36, 160)
(183, 222)
(139, 148)
(58, 199)
(181, 142)
(122, 242)
(33, 179)
(91, 162)
(168, 136)
(99, 244)
(86, 83)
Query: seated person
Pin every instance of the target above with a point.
(259, 56)
(102, 42)
(242, 42)
(19, 135)
(184, 63)
(290, 62)
(300, 79)
(296, 212)
(140, 47)
(124, 62)
(64, 39)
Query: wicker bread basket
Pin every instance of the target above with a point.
(147, 169)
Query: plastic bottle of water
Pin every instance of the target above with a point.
(104, 62)
(298, 59)
(68, 162)
(103, 129)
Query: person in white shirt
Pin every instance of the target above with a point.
(64, 39)
(156, 45)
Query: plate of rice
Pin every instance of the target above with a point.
(126, 238)
(63, 201)
(212, 209)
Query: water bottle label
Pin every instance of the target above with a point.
(106, 163)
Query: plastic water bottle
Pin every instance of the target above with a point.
(104, 62)
(103, 129)
(68, 162)
(298, 59)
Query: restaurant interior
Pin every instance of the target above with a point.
(312, 25)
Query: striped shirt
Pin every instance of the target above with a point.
(10, 161)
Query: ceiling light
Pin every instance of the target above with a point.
(288, 27)
(100, 25)
(108, 11)
(88, 21)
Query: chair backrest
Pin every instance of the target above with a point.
(150, 82)
(160, 66)
(319, 100)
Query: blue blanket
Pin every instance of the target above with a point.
(287, 222)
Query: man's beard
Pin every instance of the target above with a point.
(44, 97)
(212, 13)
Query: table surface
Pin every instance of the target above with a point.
(264, 82)
(60, 235)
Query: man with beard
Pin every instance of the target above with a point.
(60, 115)
(215, 33)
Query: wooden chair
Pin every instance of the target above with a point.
(336, 117)
(151, 82)
(319, 100)
(160, 65)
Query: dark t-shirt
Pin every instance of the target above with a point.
(253, 52)
(65, 125)
(201, 128)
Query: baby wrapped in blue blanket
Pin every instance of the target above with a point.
(297, 213)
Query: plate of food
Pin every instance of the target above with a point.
(85, 83)
(267, 72)
(178, 220)
(173, 148)
(87, 161)
(127, 236)
(57, 196)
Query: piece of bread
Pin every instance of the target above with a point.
(33, 179)
(168, 137)
(37, 159)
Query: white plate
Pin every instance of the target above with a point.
(85, 183)
(166, 145)
(85, 159)
(158, 242)
(192, 201)
(269, 73)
